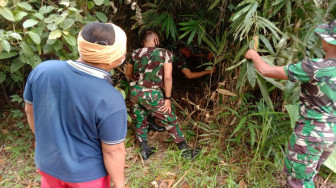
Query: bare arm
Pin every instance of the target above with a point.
(114, 160)
(30, 116)
(265, 69)
(129, 72)
(192, 75)
(168, 84)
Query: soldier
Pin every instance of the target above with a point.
(151, 70)
(188, 65)
(314, 134)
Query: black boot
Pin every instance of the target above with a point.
(186, 151)
(146, 151)
(152, 125)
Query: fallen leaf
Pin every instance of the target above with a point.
(223, 163)
(185, 186)
(5, 131)
(171, 181)
(156, 185)
(242, 184)
(226, 92)
(2, 161)
(32, 184)
(170, 174)
(163, 184)
(154, 135)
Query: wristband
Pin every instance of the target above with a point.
(168, 98)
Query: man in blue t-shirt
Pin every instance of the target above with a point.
(313, 138)
(79, 119)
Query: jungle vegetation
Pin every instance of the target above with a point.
(240, 119)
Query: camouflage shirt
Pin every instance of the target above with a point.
(148, 66)
(318, 88)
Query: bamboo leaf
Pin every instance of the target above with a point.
(2, 77)
(264, 92)
(211, 44)
(266, 7)
(236, 65)
(277, 2)
(246, 2)
(293, 112)
(191, 36)
(251, 73)
(267, 44)
(241, 12)
(152, 5)
(184, 34)
(288, 11)
(275, 83)
(251, 11)
(331, 161)
(240, 52)
(215, 3)
(331, 5)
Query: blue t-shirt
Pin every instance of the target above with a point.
(75, 109)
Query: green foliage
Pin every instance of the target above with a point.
(331, 162)
(281, 31)
(33, 35)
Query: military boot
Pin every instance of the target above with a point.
(186, 151)
(146, 151)
(152, 125)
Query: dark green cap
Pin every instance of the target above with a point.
(327, 32)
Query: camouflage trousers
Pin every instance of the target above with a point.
(146, 101)
(309, 147)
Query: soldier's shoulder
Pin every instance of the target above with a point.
(163, 50)
(136, 50)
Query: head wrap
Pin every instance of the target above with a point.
(96, 53)
(327, 32)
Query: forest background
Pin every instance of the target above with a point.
(241, 120)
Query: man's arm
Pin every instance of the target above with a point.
(192, 75)
(265, 69)
(30, 116)
(129, 72)
(168, 84)
(114, 160)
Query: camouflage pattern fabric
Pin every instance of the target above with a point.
(327, 32)
(314, 134)
(148, 66)
(147, 101)
(318, 88)
(305, 155)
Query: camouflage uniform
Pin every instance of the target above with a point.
(314, 134)
(146, 93)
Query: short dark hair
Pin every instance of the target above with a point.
(146, 35)
(99, 33)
